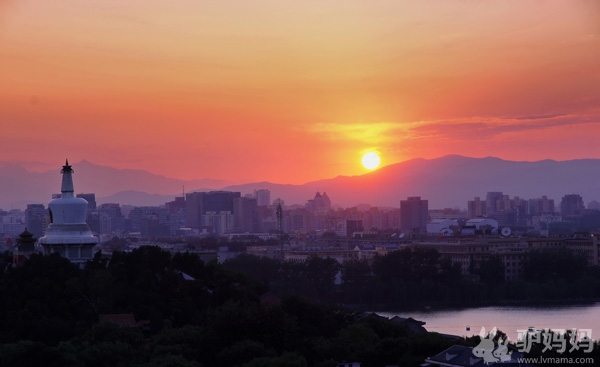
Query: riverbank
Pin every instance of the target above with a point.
(422, 307)
(509, 319)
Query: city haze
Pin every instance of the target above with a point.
(447, 182)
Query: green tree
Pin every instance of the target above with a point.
(491, 270)
(550, 264)
(356, 280)
(321, 274)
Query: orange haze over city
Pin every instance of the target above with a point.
(294, 91)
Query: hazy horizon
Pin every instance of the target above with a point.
(447, 182)
(242, 182)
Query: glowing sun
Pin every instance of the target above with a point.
(371, 160)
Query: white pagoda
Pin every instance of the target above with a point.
(68, 233)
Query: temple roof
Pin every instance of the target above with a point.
(26, 234)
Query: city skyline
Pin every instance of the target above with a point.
(448, 182)
(240, 91)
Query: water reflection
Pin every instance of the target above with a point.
(509, 319)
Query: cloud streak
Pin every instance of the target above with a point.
(461, 129)
(488, 128)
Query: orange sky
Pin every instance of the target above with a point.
(293, 91)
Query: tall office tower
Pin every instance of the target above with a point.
(176, 214)
(12, 223)
(319, 202)
(263, 197)
(150, 221)
(372, 219)
(194, 209)
(414, 215)
(36, 219)
(297, 221)
(504, 203)
(221, 223)
(176, 206)
(541, 206)
(571, 206)
(265, 218)
(517, 202)
(476, 208)
(90, 198)
(68, 233)
(245, 215)
(110, 218)
(197, 204)
(548, 205)
(219, 201)
(92, 218)
(491, 201)
(154, 224)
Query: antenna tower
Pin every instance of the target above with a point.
(279, 214)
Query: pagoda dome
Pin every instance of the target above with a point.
(68, 210)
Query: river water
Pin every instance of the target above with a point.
(509, 319)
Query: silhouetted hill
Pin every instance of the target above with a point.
(446, 182)
(449, 181)
(19, 187)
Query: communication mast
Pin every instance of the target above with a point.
(279, 215)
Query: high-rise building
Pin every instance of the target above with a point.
(220, 201)
(319, 202)
(36, 219)
(110, 218)
(90, 198)
(493, 201)
(297, 221)
(194, 209)
(263, 197)
(571, 206)
(12, 222)
(150, 221)
(245, 215)
(221, 223)
(68, 233)
(476, 208)
(414, 215)
(198, 204)
(176, 206)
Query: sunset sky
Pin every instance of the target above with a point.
(293, 91)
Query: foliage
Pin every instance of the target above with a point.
(50, 309)
(554, 265)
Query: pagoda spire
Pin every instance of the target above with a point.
(67, 187)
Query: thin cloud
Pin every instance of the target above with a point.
(534, 117)
(374, 133)
(484, 128)
(464, 129)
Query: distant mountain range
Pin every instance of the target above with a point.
(448, 181)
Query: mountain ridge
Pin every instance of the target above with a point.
(448, 181)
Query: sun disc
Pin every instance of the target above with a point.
(371, 160)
